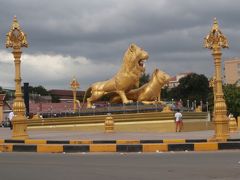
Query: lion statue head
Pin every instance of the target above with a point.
(134, 59)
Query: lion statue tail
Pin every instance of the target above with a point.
(85, 95)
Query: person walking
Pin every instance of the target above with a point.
(178, 121)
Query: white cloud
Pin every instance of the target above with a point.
(86, 39)
(54, 70)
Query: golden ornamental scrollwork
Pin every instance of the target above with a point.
(212, 82)
(74, 84)
(16, 38)
(215, 38)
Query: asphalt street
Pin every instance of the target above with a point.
(133, 166)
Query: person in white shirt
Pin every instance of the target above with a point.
(10, 117)
(178, 121)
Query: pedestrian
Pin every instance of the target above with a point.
(178, 121)
(10, 118)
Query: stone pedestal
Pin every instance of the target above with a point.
(232, 125)
(166, 109)
(109, 124)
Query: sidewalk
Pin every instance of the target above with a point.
(51, 134)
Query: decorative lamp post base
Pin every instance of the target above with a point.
(221, 131)
(19, 128)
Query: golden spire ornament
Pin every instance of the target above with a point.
(75, 85)
(214, 41)
(16, 39)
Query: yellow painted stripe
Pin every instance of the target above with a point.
(210, 146)
(46, 148)
(103, 148)
(6, 147)
(128, 142)
(35, 141)
(170, 141)
(155, 147)
(80, 142)
(2, 141)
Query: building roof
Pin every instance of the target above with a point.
(65, 94)
(174, 78)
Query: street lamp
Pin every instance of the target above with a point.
(214, 41)
(17, 39)
(74, 85)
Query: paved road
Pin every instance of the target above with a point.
(181, 165)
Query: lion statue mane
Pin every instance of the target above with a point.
(124, 80)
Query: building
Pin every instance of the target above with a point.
(174, 81)
(232, 70)
(66, 95)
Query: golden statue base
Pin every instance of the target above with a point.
(232, 125)
(109, 124)
(221, 131)
(19, 128)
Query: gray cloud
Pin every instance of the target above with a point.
(100, 31)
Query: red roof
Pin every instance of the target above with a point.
(174, 78)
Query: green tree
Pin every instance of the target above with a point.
(191, 87)
(1, 90)
(55, 99)
(37, 90)
(232, 98)
(144, 79)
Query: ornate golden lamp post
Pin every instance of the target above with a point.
(74, 85)
(214, 41)
(17, 39)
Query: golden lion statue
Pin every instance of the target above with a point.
(126, 78)
(150, 92)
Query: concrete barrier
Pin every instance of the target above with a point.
(121, 146)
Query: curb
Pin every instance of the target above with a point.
(56, 148)
(121, 141)
(121, 148)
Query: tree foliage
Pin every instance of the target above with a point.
(191, 87)
(144, 79)
(38, 90)
(1, 90)
(232, 98)
(55, 99)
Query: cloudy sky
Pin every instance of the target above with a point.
(87, 38)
